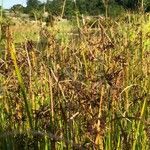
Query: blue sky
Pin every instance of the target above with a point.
(10, 3)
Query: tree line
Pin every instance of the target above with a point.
(88, 7)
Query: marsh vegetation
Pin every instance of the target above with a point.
(76, 85)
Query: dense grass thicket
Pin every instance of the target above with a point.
(76, 87)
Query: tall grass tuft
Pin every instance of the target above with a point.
(90, 92)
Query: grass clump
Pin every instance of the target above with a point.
(91, 92)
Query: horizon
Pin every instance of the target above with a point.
(7, 4)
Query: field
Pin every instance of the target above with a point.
(75, 86)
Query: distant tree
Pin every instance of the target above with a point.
(81, 6)
(129, 4)
(17, 8)
(34, 8)
(1, 8)
(56, 7)
(32, 5)
(135, 4)
(69, 9)
(93, 7)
